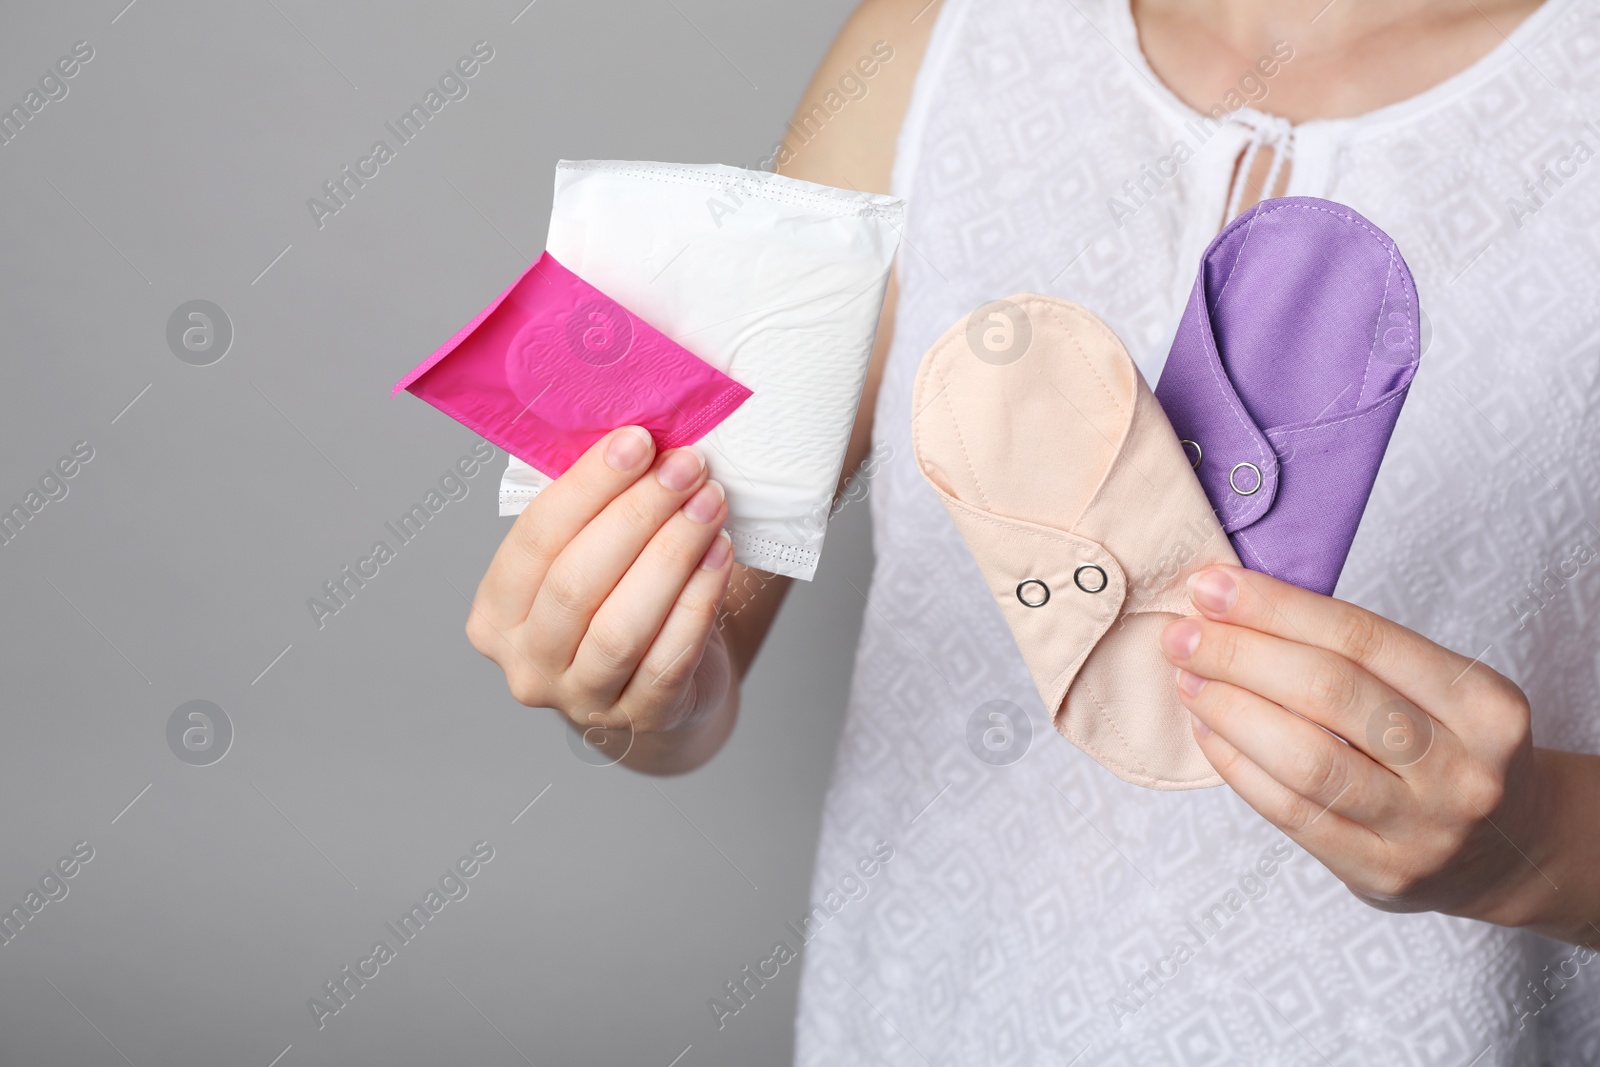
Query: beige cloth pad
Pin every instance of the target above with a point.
(1077, 500)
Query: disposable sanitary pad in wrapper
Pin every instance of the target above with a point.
(775, 282)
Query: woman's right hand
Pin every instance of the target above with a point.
(602, 600)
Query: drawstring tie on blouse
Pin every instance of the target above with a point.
(1271, 131)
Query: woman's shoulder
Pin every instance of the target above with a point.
(846, 126)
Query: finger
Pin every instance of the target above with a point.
(1304, 760)
(674, 656)
(555, 516)
(529, 683)
(634, 611)
(1323, 687)
(597, 557)
(1401, 658)
(1322, 831)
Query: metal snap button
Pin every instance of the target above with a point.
(1031, 597)
(1234, 485)
(1077, 578)
(1186, 443)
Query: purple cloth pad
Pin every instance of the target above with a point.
(1286, 377)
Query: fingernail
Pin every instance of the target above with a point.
(1213, 590)
(1181, 639)
(704, 505)
(1200, 728)
(718, 553)
(1190, 683)
(679, 470)
(628, 448)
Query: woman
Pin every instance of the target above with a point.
(1045, 911)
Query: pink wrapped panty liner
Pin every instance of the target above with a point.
(554, 364)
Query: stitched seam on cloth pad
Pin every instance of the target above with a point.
(1233, 268)
(1392, 398)
(1101, 708)
(961, 442)
(1051, 309)
(1118, 447)
(1384, 241)
(1377, 324)
(1252, 432)
(1267, 565)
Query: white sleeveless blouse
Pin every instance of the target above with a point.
(1046, 912)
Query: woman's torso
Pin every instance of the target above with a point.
(1044, 910)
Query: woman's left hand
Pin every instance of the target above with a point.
(1406, 769)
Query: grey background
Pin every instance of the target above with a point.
(375, 751)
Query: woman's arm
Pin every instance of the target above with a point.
(853, 149)
(613, 599)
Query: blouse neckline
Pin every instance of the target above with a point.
(1124, 38)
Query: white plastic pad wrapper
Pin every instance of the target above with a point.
(776, 282)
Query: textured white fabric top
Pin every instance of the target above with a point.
(1046, 912)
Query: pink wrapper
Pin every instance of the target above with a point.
(554, 364)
